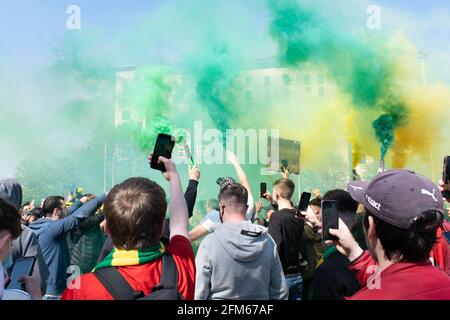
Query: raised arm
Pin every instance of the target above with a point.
(178, 211)
(239, 171)
(69, 223)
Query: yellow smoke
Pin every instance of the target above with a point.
(419, 141)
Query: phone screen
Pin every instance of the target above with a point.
(446, 236)
(304, 201)
(22, 267)
(163, 148)
(263, 189)
(330, 219)
(446, 170)
(284, 163)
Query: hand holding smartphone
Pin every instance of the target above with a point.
(446, 178)
(22, 267)
(304, 202)
(262, 189)
(330, 219)
(163, 148)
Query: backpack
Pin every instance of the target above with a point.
(118, 287)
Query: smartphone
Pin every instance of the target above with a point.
(446, 236)
(262, 189)
(304, 202)
(330, 219)
(284, 163)
(22, 267)
(163, 148)
(446, 177)
(446, 170)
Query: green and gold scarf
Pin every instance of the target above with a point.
(121, 258)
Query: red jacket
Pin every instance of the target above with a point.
(143, 277)
(441, 250)
(400, 281)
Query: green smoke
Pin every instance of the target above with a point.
(214, 89)
(395, 116)
(358, 64)
(146, 96)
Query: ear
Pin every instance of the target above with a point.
(106, 229)
(371, 232)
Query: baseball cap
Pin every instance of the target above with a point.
(223, 182)
(397, 196)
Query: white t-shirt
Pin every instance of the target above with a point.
(212, 219)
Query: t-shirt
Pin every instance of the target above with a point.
(212, 219)
(142, 277)
(332, 280)
(287, 231)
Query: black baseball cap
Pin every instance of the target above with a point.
(223, 182)
(398, 196)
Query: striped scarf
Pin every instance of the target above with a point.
(121, 258)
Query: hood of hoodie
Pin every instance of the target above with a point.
(11, 191)
(243, 241)
(39, 227)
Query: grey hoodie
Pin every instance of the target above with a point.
(239, 261)
(27, 244)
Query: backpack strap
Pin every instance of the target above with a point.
(116, 284)
(169, 273)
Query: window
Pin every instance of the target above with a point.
(307, 79)
(286, 80)
(248, 96)
(321, 79)
(321, 92)
(126, 115)
(248, 82)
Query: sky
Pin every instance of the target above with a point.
(29, 30)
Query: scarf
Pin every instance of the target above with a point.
(121, 258)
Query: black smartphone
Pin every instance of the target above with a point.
(163, 148)
(22, 267)
(446, 236)
(284, 163)
(330, 219)
(262, 189)
(446, 177)
(304, 202)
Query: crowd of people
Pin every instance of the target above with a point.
(389, 243)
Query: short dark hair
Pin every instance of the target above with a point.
(345, 202)
(412, 245)
(236, 194)
(135, 212)
(51, 203)
(285, 188)
(37, 212)
(10, 219)
(317, 201)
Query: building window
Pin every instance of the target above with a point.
(248, 82)
(248, 96)
(321, 92)
(126, 115)
(286, 80)
(321, 79)
(307, 79)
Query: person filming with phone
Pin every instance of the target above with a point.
(403, 211)
(10, 229)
